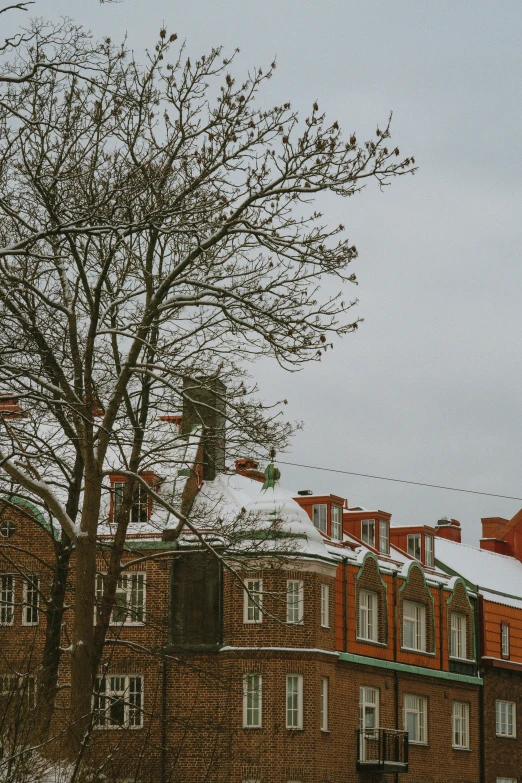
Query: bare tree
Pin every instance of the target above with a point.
(156, 224)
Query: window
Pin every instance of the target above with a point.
(384, 537)
(458, 635)
(252, 701)
(460, 724)
(294, 602)
(368, 721)
(140, 506)
(336, 523)
(129, 600)
(16, 684)
(294, 701)
(253, 601)
(7, 528)
(6, 599)
(506, 718)
(325, 606)
(505, 640)
(118, 702)
(319, 516)
(416, 718)
(30, 601)
(368, 615)
(429, 552)
(324, 703)
(368, 708)
(414, 546)
(368, 531)
(414, 626)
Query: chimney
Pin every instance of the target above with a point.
(9, 407)
(448, 528)
(493, 529)
(249, 467)
(204, 404)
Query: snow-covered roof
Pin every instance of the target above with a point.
(243, 511)
(494, 574)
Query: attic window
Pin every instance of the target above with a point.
(368, 531)
(319, 516)
(428, 551)
(414, 546)
(142, 506)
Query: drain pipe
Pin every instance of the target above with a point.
(345, 604)
(164, 720)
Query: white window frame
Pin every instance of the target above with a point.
(140, 503)
(31, 591)
(324, 703)
(505, 718)
(130, 585)
(384, 540)
(320, 516)
(460, 725)
(336, 525)
(504, 640)
(294, 702)
(418, 706)
(252, 700)
(295, 602)
(368, 616)
(429, 551)
(413, 537)
(368, 696)
(325, 606)
(119, 687)
(366, 538)
(253, 607)
(458, 635)
(414, 613)
(7, 599)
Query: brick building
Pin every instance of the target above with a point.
(287, 638)
(494, 573)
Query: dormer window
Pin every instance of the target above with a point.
(429, 554)
(368, 531)
(414, 546)
(335, 527)
(384, 537)
(141, 508)
(319, 515)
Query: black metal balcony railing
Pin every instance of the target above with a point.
(382, 749)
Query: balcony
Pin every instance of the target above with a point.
(382, 750)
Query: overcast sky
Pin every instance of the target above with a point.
(429, 388)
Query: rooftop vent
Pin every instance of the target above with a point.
(305, 492)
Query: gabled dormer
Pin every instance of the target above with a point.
(370, 527)
(417, 541)
(325, 511)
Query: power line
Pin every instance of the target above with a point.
(400, 481)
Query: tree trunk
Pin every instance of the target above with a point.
(48, 680)
(83, 635)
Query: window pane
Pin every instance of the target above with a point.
(368, 531)
(384, 540)
(336, 523)
(319, 516)
(414, 546)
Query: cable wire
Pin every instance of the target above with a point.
(400, 481)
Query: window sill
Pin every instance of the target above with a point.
(461, 660)
(253, 728)
(252, 622)
(506, 736)
(372, 641)
(419, 652)
(466, 750)
(325, 731)
(418, 744)
(294, 728)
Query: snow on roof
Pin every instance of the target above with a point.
(499, 573)
(240, 508)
